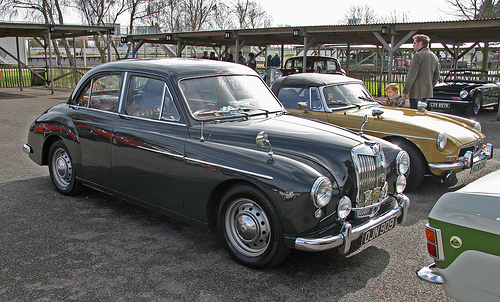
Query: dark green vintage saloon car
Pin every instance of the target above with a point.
(208, 143)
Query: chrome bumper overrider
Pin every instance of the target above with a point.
(427, 273)
(27, 148)
(350, 233)
(466, 162)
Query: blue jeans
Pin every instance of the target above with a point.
(414, 102)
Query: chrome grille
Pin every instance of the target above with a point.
(474, 147)
(372, 187)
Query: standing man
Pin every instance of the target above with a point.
(423, 74)
(252, 63)
(241, 59)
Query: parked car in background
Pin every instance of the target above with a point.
(208, 143)
(468, 89)
(438, 143)
(463, 237)
(315, 64)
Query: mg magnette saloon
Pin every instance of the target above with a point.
(438, 143)
(463, 237)
(208, 143)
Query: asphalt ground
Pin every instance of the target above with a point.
(93, 247)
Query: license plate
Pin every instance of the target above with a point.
(439, 105)
(478, 166)
(378, 230)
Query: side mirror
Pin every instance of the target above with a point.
(365, 120)
(377, 113)
(302, 106)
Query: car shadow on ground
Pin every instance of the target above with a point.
(96, 246)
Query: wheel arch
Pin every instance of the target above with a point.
(396, 139)
(217, 194)
(46, 147)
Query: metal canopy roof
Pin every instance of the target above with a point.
(57, 31)
(449, 32)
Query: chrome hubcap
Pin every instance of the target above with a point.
(62, 168)
(247, 227)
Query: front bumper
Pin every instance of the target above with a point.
(466, 162)
(429, 274)
(350, 233)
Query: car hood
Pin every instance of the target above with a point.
(314, 140)
(453, 87)
(286, 132)
(417, 123)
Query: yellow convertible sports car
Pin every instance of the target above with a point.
(438, 143)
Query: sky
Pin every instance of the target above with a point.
(331, 12)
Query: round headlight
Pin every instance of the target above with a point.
(344, 207)
(441, 141)
(402, 162)
(400, 184)
(464, 94)
(321, 191)
(477, 126)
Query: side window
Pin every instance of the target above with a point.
(289, 97)
(319, 66)
(102, 93)
(331, 66)
(169, 112)
(150, 98)
(315, 99)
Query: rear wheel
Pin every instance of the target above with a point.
(61, 170)
(477, 102)
(250, 229)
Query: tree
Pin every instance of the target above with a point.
(51, 12)
(396, 17)
(197, 13)
(475, 10)
(250, 14)
(364, 15)
(223, 17)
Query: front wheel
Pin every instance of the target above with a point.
(250, 229)
(477, 102)
(61, 170)
(418, 164)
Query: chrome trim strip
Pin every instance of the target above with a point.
(428, 273)
(395, 134)
(350, 234)
(230, 168)
(161, 152)
(207, 163)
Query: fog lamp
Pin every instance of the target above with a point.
(344, 207)
(400, 184)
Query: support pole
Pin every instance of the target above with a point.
(50, 64)
(19, 65)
